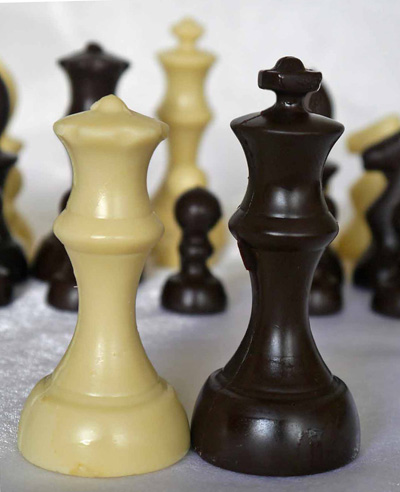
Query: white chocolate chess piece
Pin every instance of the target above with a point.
(104, 411)
(186, 112)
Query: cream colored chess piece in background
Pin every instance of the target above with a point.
(185, 110)
(104, 411)
(357, 236)
(18, 226)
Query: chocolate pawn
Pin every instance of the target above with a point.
(12, 258)
(92, 74)
(326, 289)
(195, 290)
(275, 408)
(375, 266)
(386, 298)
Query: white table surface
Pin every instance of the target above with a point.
(359, 346)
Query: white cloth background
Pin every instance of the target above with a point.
(355, 45)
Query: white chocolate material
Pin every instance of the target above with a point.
(15, 221)
(104, 411)
(185, 110)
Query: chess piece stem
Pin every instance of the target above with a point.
(104, 411)
(275, 408)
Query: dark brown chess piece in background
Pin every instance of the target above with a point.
(326, 288)
(375, 266)
(386, 298)
(195, 290)
(275, 408)
(13, 264)
(93, 74)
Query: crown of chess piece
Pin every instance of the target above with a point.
(104, 411)
(92, 74)
(17, 224)
(356, 238)
(185, 110)
(386, 297)
(275, 408)
(326, 288)
(374, 266)
(12, 258)
(195, 290)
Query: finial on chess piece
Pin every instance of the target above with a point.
(187, 31)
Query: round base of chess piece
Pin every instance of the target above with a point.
(48, 259)
(185, 295)
(6, 287)
(272, 434)
(386, 301)
(13, 260)
(63, 291)
(93, 436)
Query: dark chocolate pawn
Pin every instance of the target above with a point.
(92, 74)
(195, 290)
(326, 289)
(386, 298)
(63, 290)
(375, 266)
(275, 408)
(12, 258)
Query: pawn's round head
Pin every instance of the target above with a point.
(197, 210)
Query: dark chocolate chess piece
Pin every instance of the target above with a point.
(376, 264)
(326, 288)
(63, 290)
(386, 298)
(93, 74)
(275, 408)
(195, 290)
(12, 259)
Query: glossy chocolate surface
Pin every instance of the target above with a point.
(275, 408)
(195, 290)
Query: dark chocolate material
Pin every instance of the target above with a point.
(12, 258)
(195, 290)
(375, 266)
(93, 74)
(326, 288)
(275, 408)
(63, 290)
(6, 287)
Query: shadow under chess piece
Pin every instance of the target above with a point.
(326, 289)
(195, 290)
(275, 408)
(386, 298)
(63, 290)
(375, 266)
(51, 253)
(93, 73)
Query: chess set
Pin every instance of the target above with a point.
(274, 409)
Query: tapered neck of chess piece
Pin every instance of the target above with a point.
(195, 290)
(328, 172)
(93, 74)
(276, 387)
